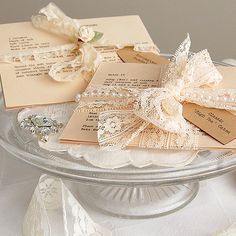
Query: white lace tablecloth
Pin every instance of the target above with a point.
(213, 209)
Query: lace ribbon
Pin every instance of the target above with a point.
(53, 210)
(157, 112)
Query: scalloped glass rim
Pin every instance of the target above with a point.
(215, 162)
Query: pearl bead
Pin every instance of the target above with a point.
(209, 97)
(121, 95)
(107, 94)
(217, 98)
(113, 94)
(77, 98)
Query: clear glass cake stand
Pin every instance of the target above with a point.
(125, 192)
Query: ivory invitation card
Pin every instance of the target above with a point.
(27, 83)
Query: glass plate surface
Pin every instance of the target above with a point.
(24, 146)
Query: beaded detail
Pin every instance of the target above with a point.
(41, 126)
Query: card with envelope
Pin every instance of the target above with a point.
(120, 116)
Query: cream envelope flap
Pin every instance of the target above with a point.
(28, 83)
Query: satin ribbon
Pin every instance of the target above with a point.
(187, 79)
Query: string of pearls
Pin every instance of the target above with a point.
(210, 98)
(105, 94)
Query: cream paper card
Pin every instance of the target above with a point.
(28, 83)
(215, 122)
(82, 127)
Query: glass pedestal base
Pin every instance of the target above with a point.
(137, 202)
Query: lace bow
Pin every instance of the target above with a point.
(187, 79)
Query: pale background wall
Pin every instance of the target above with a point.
(211, 23)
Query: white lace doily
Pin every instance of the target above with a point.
(101, 158)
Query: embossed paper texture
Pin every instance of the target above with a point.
(27, 83)
(82, 127)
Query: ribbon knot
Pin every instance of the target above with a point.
(160, 107)
(87, 59)
(187, 79)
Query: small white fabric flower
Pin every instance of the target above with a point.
(86, 34)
